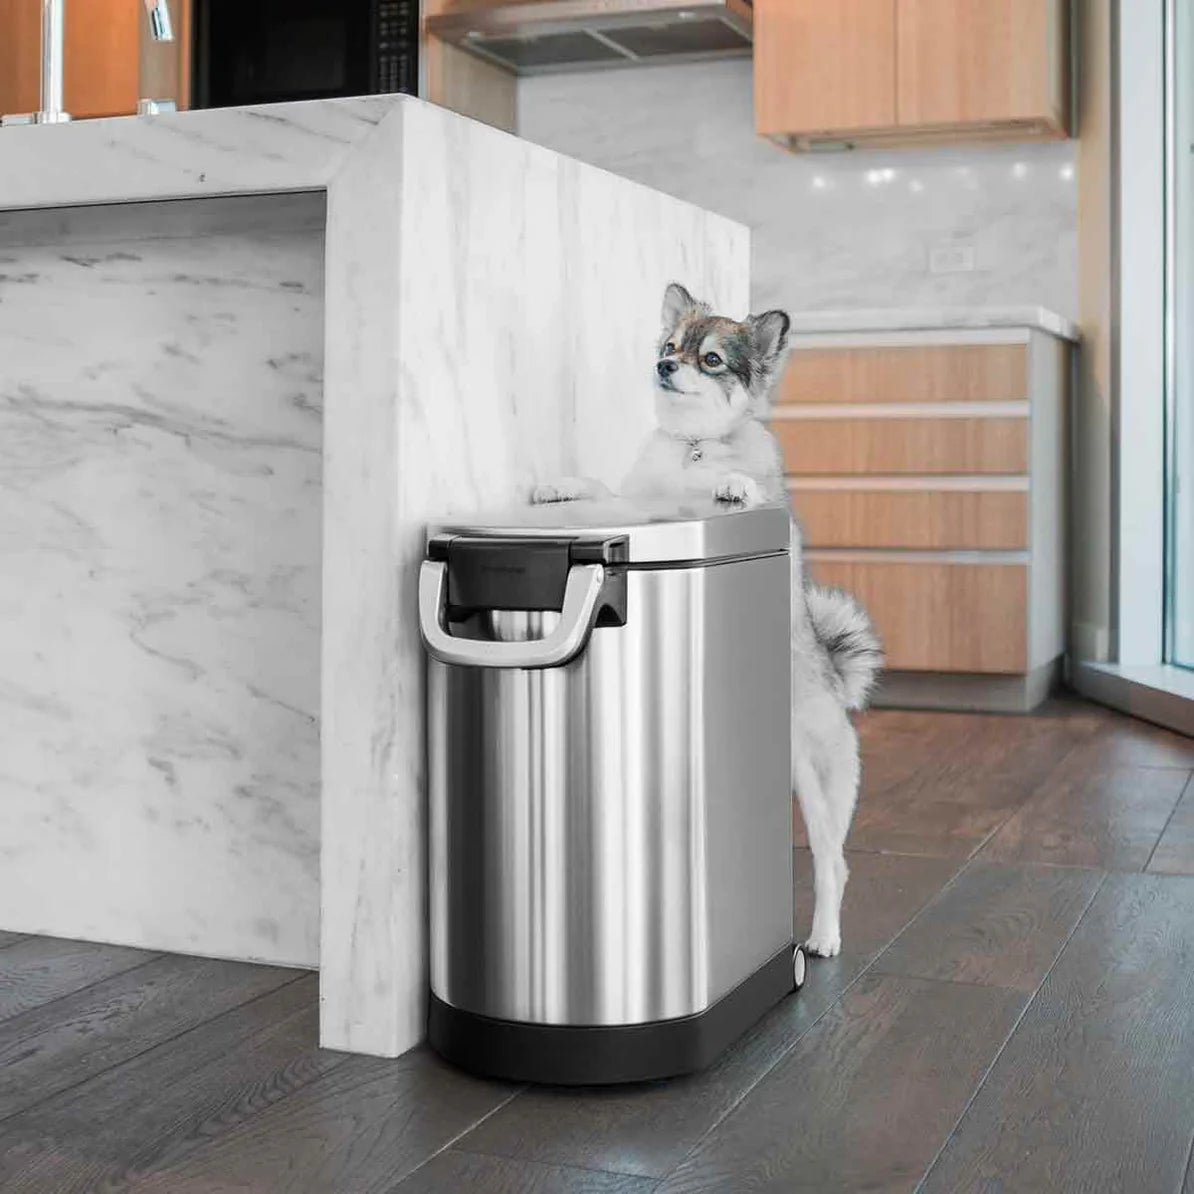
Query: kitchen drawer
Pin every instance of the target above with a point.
(912, 445)
(922, 518)
(939, 616)
(916, 373)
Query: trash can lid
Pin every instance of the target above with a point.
(658, 531)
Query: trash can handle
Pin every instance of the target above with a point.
(565, 642)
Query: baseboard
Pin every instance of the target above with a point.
(967, 691)
(1159, 693)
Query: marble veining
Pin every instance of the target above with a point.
(160, 461)
(831, 231)
(512, 312)
(487, 321)
(218, 151)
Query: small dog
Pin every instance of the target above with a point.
(714, 378)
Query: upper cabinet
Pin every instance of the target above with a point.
(828, 66)
(910, 71)
(978, 63)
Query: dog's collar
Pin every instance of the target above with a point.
(696, 446)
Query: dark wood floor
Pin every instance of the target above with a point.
(1013, 1011)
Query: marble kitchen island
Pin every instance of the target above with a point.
(245, 354)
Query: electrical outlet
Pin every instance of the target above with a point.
(951, 258)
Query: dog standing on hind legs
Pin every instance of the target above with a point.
(713, 383)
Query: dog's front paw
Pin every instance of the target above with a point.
(739, 489)
(824, 943)
(566, 489)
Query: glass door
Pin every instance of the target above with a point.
(1179, 429)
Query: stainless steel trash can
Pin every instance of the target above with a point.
(610, 868)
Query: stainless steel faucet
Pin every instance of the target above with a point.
(52, 26)
(51, 111)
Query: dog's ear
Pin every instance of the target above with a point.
(769, 332)
(677, 303)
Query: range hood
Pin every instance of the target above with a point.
(532, 37)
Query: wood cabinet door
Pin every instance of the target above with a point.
(100, 56)
(824, 65)
(938, 617)
(971, 62)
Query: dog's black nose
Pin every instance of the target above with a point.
(666, 368)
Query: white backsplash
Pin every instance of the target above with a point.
(831, 230)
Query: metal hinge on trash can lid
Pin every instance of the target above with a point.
(491, 572)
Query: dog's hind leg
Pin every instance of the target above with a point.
(827, 805)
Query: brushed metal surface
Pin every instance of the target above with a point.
(610, 839)
(563, 16)
(663, 531)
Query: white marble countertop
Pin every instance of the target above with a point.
(224, 426)
(907, 319)
(183, 155)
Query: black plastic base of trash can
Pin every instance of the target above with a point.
(600, 1054)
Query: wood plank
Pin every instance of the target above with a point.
(101, 58)
(1002, 926)
(149, 1112)
(865, 1098)
(884, 893)
(51, 1047)
(947, 792)
(1093, 1090)
(648, 1129)
(908, 373)
(927, 519)
(1119, 741)
(1174, 853)
(820, 447)
(361, 1128)
(462, 81)
(940, 617)
(39, 969)
(457, 1170)
(974, 62)
(467, 84)
(1084, 816)
(824, 66)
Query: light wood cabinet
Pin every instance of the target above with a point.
(910, 71)
(463, 82)
(903, 445)
(108, 58)
(832, 63)
(944, 617)
(908, 373)
(920, 519)
(974, 62)
(927, 472)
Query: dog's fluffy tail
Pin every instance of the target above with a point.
(845, 633)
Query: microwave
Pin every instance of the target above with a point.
(268, 51)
